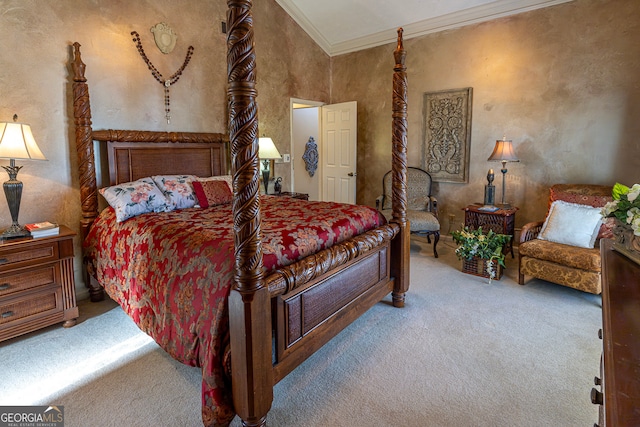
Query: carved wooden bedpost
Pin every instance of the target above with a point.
(249, 302)
(401, 243)
(86, 158)
(84, 143)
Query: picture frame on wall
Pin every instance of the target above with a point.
(447, 134)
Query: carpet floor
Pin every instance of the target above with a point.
(463, 352)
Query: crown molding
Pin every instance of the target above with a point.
(474, 15)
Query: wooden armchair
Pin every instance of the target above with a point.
(572, 266)
(422, 206)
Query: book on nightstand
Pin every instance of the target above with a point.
(42, 229)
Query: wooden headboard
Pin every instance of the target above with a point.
(129, 161)
(134, 154)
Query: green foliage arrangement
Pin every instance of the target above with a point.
(625, 206)
(477, 243)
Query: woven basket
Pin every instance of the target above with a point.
(478, 267)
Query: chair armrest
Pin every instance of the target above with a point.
(379, 200)
(433, 205)
(530, 231)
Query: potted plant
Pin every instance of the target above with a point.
(481, 252)
(625, 208)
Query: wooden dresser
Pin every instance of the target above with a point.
(37, 286)
(619, 395)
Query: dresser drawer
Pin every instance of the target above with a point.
(28, 254)
(18, 281)
(31, 305)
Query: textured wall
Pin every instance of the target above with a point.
(561, 82)
(35, 82)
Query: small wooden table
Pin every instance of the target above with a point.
(500, 221)
(37, 287)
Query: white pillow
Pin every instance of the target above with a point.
(134, 198)
(177, 189)
(572, 224)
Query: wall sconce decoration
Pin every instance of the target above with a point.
(165, 37)
(267, 152)
(310, 156)
(503, 152)
(16, 142)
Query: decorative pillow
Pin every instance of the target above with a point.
(586, 194)
(226, 178)
(177, 189)
(572, 224)
(212, 193)
(130, 199)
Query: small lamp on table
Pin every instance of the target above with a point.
(503, 152)
(16, 142)
(267, 152)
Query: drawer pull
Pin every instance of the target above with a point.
(596, 397)
(7, 314)
(4, 286)
(3, 261)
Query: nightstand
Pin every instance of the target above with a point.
(302, 196)
(37, 286)
(501, 221)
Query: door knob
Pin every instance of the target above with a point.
(351, 174)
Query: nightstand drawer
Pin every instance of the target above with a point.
(36, 304)
(30, 254)
(18, 281)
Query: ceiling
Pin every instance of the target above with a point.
(341, 26)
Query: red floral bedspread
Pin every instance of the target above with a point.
(172, 273)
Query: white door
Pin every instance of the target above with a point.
(338, 155)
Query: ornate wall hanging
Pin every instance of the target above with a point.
(164, 82)
(310, 156)
(447, 134)
(165, 37)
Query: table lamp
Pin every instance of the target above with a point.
(267, 152)
(503, 152)
(16, 142)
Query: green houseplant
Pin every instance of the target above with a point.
(476, 244)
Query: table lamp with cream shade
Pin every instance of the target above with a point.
(267, 152)
(16, 143)
(503, 152)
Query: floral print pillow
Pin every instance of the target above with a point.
(177, 189)
(130, 199)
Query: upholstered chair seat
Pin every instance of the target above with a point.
(422, 206)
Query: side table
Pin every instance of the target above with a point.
(36, 283)
(501, 221)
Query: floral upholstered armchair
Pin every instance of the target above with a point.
(564, 249)
(422, 206)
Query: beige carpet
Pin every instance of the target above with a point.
(462, 352)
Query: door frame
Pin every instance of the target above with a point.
(292, 106)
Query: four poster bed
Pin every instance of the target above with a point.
(238, 289)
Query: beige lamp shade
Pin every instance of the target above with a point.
(267, 149)
(503, 152)
(17, 142)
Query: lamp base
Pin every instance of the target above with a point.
(14, 232)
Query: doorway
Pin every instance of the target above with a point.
(334, 130)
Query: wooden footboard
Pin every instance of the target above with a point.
(309, 316)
